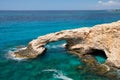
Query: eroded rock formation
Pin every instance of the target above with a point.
(104, 37)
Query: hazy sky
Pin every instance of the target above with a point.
(58, 4)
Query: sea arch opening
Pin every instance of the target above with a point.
(99, 55)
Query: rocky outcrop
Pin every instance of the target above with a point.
(74, 39)
(82, 41)
(104, 37)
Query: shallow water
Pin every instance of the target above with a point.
(20, 27)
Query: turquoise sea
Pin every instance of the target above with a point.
(17, 28)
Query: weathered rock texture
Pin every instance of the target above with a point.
(81, 41)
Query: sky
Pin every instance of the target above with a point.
(59, 4)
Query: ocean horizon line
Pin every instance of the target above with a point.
(56, 10)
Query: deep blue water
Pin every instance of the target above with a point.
(20, 27)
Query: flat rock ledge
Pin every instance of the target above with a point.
(82, 41)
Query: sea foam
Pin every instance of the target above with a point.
(56, 46)
(10, 54)
(57, 74)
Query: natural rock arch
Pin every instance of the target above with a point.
(105, 37)
(36, 47)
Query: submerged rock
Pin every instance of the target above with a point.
(82, 41)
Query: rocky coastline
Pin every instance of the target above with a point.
(84, 42)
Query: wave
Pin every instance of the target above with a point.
(17, 48)
(57, 74)
(49, 70)
(10, 54)
(56, 46)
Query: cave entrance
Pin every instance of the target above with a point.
(99, 55)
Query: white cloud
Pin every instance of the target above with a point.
(100, 2)
(110, 3)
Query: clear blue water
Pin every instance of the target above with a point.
(20, 27)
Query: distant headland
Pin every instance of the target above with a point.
(114, 10)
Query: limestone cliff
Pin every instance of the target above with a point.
(105, 37)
